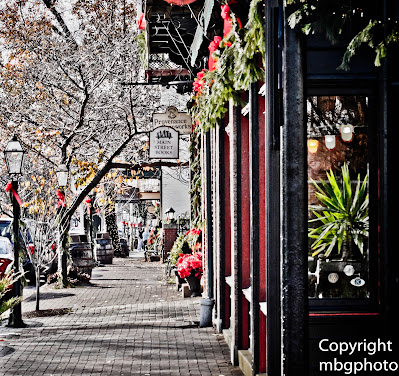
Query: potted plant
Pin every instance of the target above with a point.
(340, 239)
(189, 267)
(7, 278)
(187, 243)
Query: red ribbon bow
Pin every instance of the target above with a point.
(227, 21)
(88, 203)
(9, 188)
(61, 198)
(213, 46)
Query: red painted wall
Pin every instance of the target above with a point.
(262, 234)
(227, 226)
(244, 221)
(245, 204)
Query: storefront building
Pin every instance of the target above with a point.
(294, 285)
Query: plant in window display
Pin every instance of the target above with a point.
(344, 217)
(339, 240)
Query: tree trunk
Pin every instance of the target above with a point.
(112, 228)
(347, 249)
(62, 256)
(37, 272)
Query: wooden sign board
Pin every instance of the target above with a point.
(164, 143)
(180, 121)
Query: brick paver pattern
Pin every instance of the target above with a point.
(129, 321)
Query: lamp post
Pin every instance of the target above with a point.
(14, 155)
(62, 178)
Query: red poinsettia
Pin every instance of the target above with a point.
(199, 83)
(188, 264)
(194, 231)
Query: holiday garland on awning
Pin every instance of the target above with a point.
(237, 64)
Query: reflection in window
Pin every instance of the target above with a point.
(338, 251)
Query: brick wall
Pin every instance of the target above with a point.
(169, 237)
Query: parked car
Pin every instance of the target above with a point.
(6, 254)
(6, 259)
(26, 246)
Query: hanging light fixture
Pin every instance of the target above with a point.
(329, 140)
(62, 175)
(14, 156)
(347, 132)
(313, 145)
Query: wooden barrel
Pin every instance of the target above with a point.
(104, 251)
(82, 257)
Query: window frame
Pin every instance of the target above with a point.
(371, 304)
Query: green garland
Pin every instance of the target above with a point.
(196, 182)
(247, 68)
(143, 49)
(238, 66)
(330, 17)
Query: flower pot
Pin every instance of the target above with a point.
(194, 284)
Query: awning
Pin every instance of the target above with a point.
(201, 30)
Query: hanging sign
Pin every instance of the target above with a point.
(180, 121)
(164, 143)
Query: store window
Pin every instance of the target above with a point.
(338, 197)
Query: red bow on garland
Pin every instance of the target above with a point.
(213, 46)
(9, 188)
(228, 23)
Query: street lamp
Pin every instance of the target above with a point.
(170, 214)
(62, 178)
(14, 156)
(62, 175)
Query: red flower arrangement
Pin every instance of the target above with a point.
(199, 83)
(194, 231)
(194, 242)
(189, 263)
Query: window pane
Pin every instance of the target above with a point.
(338, 197)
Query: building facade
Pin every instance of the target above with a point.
(291, 281)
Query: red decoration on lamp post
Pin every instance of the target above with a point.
(9, 188)
(88, 203)
(61, 198)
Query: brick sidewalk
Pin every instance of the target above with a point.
(128, 322)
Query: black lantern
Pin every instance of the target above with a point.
(170, 214)
(14, 155)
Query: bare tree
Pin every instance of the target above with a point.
(62, 93)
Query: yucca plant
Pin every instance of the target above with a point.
(343, 213)
(5, 282)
